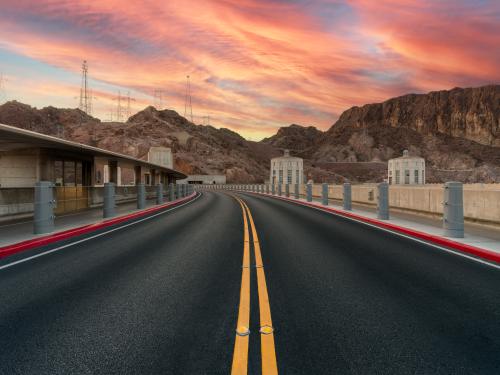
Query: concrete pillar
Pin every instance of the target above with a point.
(383, 201)
(171, 192)
(44, 208)
(347, 201)
(324, 194)
(309, 192)
(267, 188)
(141, 196)
(109, 206)
(297, 193)
(287, 190)
(279, 190)
(159, 193)
(453, 210)
(273, 189)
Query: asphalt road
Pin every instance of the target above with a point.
(162, 296)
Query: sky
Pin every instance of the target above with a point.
(254, 65)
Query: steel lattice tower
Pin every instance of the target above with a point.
(85, 98)
(188, 105)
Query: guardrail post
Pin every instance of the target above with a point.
(453, 210)
(279, 190)
(171, 192)
(44, 208)
(309, 192)
(324, 194)
(347, 201)
(159, 193)
(141, 196)
(383, 201)
(109, 206)
(287, 190)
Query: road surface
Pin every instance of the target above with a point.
(167, 295)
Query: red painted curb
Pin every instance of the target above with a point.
(63, 235)
(464, 248)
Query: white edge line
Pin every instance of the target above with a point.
(96, 235)
(393, 232)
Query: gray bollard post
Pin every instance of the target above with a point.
(453, 210)
(44, 208)
(287, 190)
(109, 206)
(171, 192)
(279, 190)
(309, 192)
(297, 193)
(347, 201)
(141, 196)
(159, 193)
(324, 194)
(383, 201)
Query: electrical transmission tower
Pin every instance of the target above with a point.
(159, 96)
(129, 108)
(188, 105)
(206, 120)
(3, 95)
(123, 106)
(85, 96)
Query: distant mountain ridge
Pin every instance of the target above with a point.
(456, 131)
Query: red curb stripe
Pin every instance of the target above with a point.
(63, 235)
(464, 248)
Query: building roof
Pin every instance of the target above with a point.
(406, 155)
(286, 156)
(13, 138)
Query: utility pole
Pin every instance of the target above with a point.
(188, 105)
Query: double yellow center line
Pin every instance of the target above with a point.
(268, 352)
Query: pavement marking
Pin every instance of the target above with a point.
(240, 354)
(96, 235)
(268, 351)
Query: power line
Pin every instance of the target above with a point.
(188, 105)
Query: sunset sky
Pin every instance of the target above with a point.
(255, 65)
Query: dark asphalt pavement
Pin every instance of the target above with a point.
(161, 297)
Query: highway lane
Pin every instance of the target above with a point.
(350, 299)
(159, 297)
(163, 297)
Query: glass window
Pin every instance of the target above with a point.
(69, 173)
(416, 176)
(79, 174)
(407, 177)
(297, 175)
(58, 173)
(289, 177)
(280, 178)
(397, 177)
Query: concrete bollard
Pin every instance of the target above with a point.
(309, 192)
(171, 192)
(109, 206)
(287, 190)
(44, 208)
(324, 194)
(453, 210)
(347, 201)
(383, 201)
(297, 192)
(141, 196)
(159, 193)
(279, 190)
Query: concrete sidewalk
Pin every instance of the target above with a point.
(475, 235)
(22, 230)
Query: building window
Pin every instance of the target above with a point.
(289, 177)
(407, 177)
(297, 177)
(280, 179)
(416, 176)
(397, 177)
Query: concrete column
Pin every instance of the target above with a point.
(159, 193)
(383, 201)
(453, 210)
(279, 190)
(44, 208)
(324, 194)
(273, 189)
(347, 201)
(309, 192)
(141, 196)
(109, 206)
(297, 192)
(287, 190)
(267, 188)
(171, 192)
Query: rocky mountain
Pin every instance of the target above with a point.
(456, 131)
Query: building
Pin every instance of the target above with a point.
(406, 170)
(287, 169)
(204, 179)
(161, 156)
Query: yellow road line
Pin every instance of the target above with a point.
(240, 354)
(268, 352)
